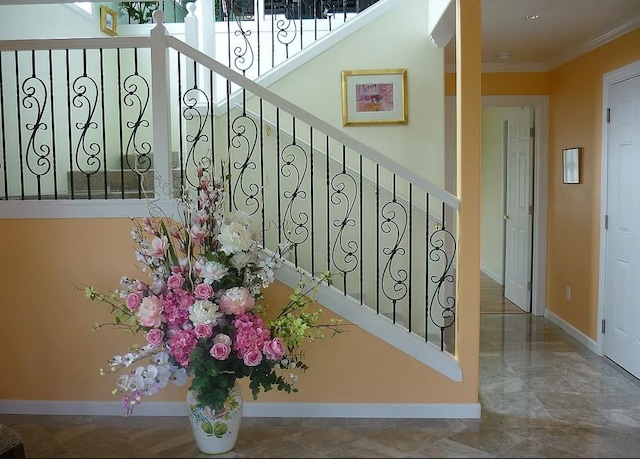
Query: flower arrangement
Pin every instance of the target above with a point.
(202, 313)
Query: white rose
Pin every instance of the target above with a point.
(240, 260)
(234, 237)
(204, 312)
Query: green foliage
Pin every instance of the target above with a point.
(140, 12)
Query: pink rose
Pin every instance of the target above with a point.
(221, 351)
(175, 281)
(150, 312)
(222, 338)
(236, 300)
(203, 291)
(203, 330)
(274, 349)
(133, 301)
(154, 336)
(252, 358)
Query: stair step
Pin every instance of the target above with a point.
(116, 181)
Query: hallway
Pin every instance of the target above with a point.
(542, 393)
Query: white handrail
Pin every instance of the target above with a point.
(312, 120)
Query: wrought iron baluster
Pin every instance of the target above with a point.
(438, 241)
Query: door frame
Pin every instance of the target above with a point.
(615, 76)
(540, 104)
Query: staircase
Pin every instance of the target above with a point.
(384, 230)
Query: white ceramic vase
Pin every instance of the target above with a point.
(216, 433)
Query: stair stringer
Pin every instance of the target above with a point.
(382, 327)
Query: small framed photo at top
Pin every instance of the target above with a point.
(108, 21)
(571, 165)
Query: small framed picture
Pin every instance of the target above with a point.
(374, 97)
(571, 165)
(108, 21)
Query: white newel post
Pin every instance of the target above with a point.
(160, 96)
(206, 14)
(191, 36)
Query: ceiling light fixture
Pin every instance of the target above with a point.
(503, 56)
(532, 17)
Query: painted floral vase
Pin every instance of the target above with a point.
(216, 432)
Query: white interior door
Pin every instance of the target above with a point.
(518, 208)
(622, 263)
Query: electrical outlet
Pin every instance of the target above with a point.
(568, 293)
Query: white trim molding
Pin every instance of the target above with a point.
(253, 409)
(573, 331)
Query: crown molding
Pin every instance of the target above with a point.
(594, 43)
(505, 67)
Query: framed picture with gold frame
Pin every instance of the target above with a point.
(108, 21)
(374, 97)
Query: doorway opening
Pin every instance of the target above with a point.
(540, 108)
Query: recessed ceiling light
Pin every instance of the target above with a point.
(503, 56)
(532, 17)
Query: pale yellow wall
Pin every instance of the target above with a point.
(491, 217)
(575, 112)
(50, 353)
(316, 87)
(68, 22)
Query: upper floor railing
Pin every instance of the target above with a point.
(252, 36)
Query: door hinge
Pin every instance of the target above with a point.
(603, 326)
(608, 115)
(532, 132)
(606, 222)
(529, 286)
(530, 209)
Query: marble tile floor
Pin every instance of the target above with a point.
(542, 393)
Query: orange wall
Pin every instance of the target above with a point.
(575, 113)
(505, 84)
(575, 120)
(53, 355)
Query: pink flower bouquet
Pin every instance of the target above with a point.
(201, 313)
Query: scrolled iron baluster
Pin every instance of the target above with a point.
(243, 127)
(35, 96)
(447, 303)
(397, 277)
(136, 95)
(191, 99)
(340, 197)
(289, 168)
(244, 54)
(287, 31)
(86, 97)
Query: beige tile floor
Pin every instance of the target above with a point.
(542, 394)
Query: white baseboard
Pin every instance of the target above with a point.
(278, 410)
(495, 277)
(573, 331)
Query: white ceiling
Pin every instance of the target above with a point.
(565, 30)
